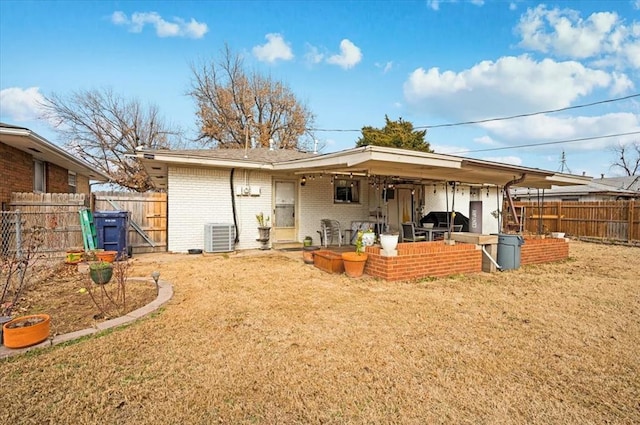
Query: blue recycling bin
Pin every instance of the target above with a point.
(112, 228)
(509, 251)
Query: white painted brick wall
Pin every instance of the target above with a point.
(197, 196)
(316, 202)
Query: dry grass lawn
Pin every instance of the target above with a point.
(264, 338)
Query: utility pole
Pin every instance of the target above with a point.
(564, 168)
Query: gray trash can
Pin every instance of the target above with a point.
(509, 251)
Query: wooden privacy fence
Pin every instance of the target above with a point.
(148, 229)
(56, 214)
(612, 220)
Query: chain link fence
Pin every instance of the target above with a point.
(59, 231)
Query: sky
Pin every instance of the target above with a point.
(571, 68)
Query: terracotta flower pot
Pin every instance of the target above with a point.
(108, 256)
(26, 330)
(354, 263)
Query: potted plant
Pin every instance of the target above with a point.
(368, 237)
(26, 331)
(308, 241)
(264, 230)
(389, 244)
(101, 272)
(354, 262)
(16, 274)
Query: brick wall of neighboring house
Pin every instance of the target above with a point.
(417, 260)
(82, 185)
(16, 172)
(537, 251)
(197, 196)
(57, 179)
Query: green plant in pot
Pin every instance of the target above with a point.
(101, 272)
(354, 262)
(264, 230)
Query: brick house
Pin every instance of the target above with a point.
(372, 185)
(30, 163)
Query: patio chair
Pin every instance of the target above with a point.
(330, 231)
(409, 233)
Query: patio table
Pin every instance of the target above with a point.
(431, 231)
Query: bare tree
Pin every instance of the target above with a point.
(627, 158)
(102, 127)
(234, 106)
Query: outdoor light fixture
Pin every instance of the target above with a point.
(303, 181)
(156, 275)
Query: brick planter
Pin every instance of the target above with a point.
(417, 260)
(537, 251)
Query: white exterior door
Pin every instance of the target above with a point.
(284, 214)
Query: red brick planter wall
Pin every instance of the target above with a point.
(424, 259)
(537, 251)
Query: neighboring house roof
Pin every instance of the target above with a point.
(366, 160)
(624, 183)
(41, 149)
(594, 187)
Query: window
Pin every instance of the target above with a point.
(346, 190)
(39, 176)
(73, 182)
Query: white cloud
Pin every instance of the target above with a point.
(513, 6)
(509, 86)
(485, 140)
(274, 49)
(636, 4)
(433, 4)
(543, 128)
(313, 55)
(21, 104)
(601, 37)
(349, 56)
(178, 28)
(513, 160)
(448, 149)
(386, 67)
(477, 2)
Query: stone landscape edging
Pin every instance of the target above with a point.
(165, 293)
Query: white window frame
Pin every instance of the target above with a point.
(72, 181)
(39, 176)
(353, 186)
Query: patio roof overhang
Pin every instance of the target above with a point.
(373, 161)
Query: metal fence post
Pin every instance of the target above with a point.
(18, 224)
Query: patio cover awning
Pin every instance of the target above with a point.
(368, 160)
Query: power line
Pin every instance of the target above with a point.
(550, 111)
(557, 142)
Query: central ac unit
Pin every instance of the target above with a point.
(219, 237)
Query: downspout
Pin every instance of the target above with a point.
(498, 266)
(233, 207)
(510, 199)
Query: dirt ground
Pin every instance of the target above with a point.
(64, 296)
(262, 337)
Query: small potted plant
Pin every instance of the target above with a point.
(101, 272)
(308, 241)
(354, 262)
(264, 230)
